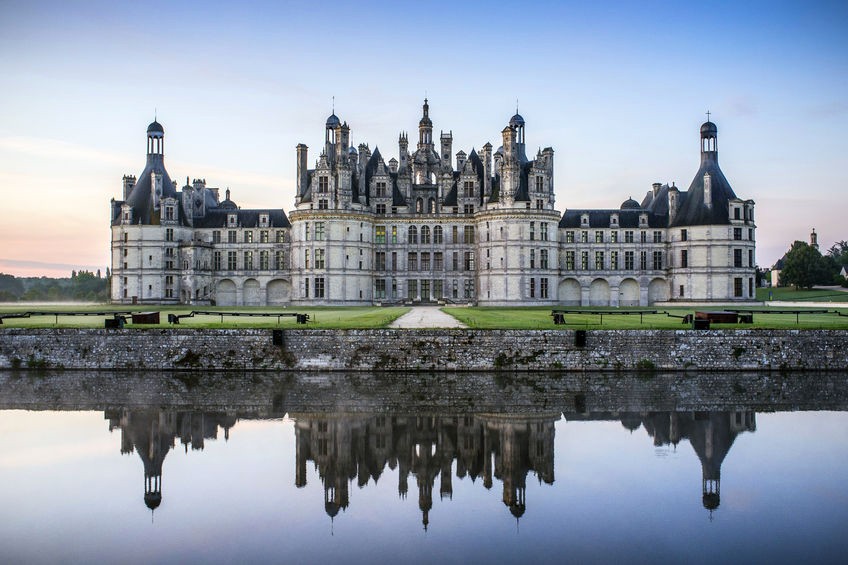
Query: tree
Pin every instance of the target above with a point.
(804, 267)
(839, 253)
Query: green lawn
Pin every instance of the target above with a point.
(540, 318)
(788, 293)
(319, 317)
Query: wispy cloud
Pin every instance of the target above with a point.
(22, 264)
(55, 149)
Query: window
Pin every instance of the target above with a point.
(412, 261)
(232, 220)
(380, 234)
(319, 259)
(737, 287)
(394, 261)
(216, 236)
(532, 231)
(231, 260)
(681, 291)
(455, 262)
(319, 231)
(380, 260)
(469, 234)
(381, 211)
(643, 236)
(216, 261)
(737, 234)
(569, 237)
(751, 258)
(469, 261)
(323, 185)
(437, 290)
(584, 237)
(232, 236)
(306, 257)
(613, 236)
(643, 260)
(169, 234)
(263, 260)
(438, 261)
(279, 260)
(532, 288)
(543, 259)
(468, 209)
(306, 288)
(419, 206)
(248, 236)
(737, 258)
(684, 235)
(323, 204)
(569, 260)
(394, 234)
(599, 260)
(425, 235)
(263, 236)
(319, 287)
(455, 289)
(263, 220)
(412, 290)
(281, 238)
(657, 260)
(438, 237)
(750, 235)
(628, 236)
(543, 235)
(469, 189)
(599, 236)
(248, 260)
(684, 258)
(469, 288)
(412, 235)
(543, 288)
(657, 237)
(425, 261)
(306, 233)
(613, 260)
(736, 216)
(381, 193)
(751, 287)
(532, 258)
(380, 288)
(584, 260)
(628, 261)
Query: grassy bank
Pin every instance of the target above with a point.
(789, 294)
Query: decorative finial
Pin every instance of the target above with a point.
(155, 112)
(334, 105)
(708, 115)
(516, 105)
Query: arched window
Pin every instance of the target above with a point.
(419, 205)
(412, 234)
(437, 235)
(431, 206)
(425, 234)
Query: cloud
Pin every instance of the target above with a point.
(55, 149)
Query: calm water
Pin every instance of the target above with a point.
(425, 468)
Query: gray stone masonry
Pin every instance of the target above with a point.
(425, 350)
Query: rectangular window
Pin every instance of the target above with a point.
(628, 236)
(540, 183)
(280, 236)
(532, 288)
(263, 236)
(412, 262)
(438, 289)
(323, 185)
(614, 236)
(469, 234)
(216, 261)
(232, 236)
(736, 215)
(613, 260)
(216, 236)
(532, 258)
(381, 211)
(737, 234)
(380, 288)
(306, 288)
(681, 291)
(231, 260)
(394, 234)
(380, 234)
(469, 288)
(599, 236)
(543, 288)
(319, 259)
(684, 235)
(684, 258)
(381, 193)
(248, 236)
(584, 237)
(750, 234)
(543, 259)
(584, 260)
(599, 260)
(306, 257)
(394, 261)
(469, 260)
(466, 209)
(279, 260)
(455, 262)
(169, 234)
(643, 260)
(438, 261)
(628, 260)
(412, 290)
(455, 289)
(319, 287)
(455, 231)
(657, 237)
(750, 257)
(643, 236)
(737, 287)
(569, 260)
(469, 189)
(323, 204)
(319, 231)
(569, 237)
(380, 260)
(532, 231)
(751, 287)
(543, 234)
(425, 289)
(263, 260)
(737, 258)
(248, 260)
(657, 260)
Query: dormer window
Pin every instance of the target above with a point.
(323, 184)
(263, 220)
(232, 220)
(584, 220)
(169, 212)
(643, 220)
(614, 220)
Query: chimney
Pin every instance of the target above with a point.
(656, 188)
(673, 195)
(302, 171)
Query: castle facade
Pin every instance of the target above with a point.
(429, 226)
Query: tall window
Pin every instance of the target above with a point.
(438, 261)
(231, 260)
(599, 236)
(628, 260)
(543, 234)
(248, 260)
(438, 237)
(469, 234)
(380, 234)
(248, 236)
(381, 193)
(319, 287)
(628, 236)
(263, 260)
(279, 259)
(532, 258)
(532, 288)
(319, 231)
(412, 235)
(216, 236)
(569, 260)
(319, 259)
(643, 260)
(323, 185)
(380, 260)
(380, 288)
(569, 237)
(169, 234)
(657, 260)
(584, 260)
(737, 258)
(613, 260)
(394, 234)
(425, 235)
(216, 261)
(412, 261)
(263, 236)
(532, 231)
(469, 260)
(657, 237)
(468, 186)
(737, 287)
(306, 256)
(599, 260)
(737, 234)
(425, 261)
(543, 288)
(684, 258)
(543, 259)
(614, 236)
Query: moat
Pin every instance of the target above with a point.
(303, 468)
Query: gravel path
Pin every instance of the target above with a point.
(426, 317)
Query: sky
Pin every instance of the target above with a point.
(619, 90)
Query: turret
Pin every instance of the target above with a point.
(403, 152)
(460, 160)
(447, 143)
(425, 128)
(673, 203)
(486, 157)
(129, 183)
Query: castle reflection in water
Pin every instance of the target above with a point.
(347, 447)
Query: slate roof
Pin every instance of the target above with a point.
(601, 219)
(217, 218)
(692, 211)
(140, 198)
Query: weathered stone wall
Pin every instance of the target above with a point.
(425, 350)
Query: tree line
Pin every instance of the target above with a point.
(81, 286)
(805, 266)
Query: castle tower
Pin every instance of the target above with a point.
(425, 129)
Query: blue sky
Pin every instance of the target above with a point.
(619, 90)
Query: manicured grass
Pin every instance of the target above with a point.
(319, 317)
(787, 293)
(540, 318)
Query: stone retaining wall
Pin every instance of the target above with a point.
(424, 350)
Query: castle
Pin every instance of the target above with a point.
(429, 226)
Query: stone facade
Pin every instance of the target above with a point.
(429, 226)
(425, 350)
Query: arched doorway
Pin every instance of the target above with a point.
(279, 292)
(569, 292)
(628, 293)
(251, 293)
(225, 294)
(599, 293)
(657, 291)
